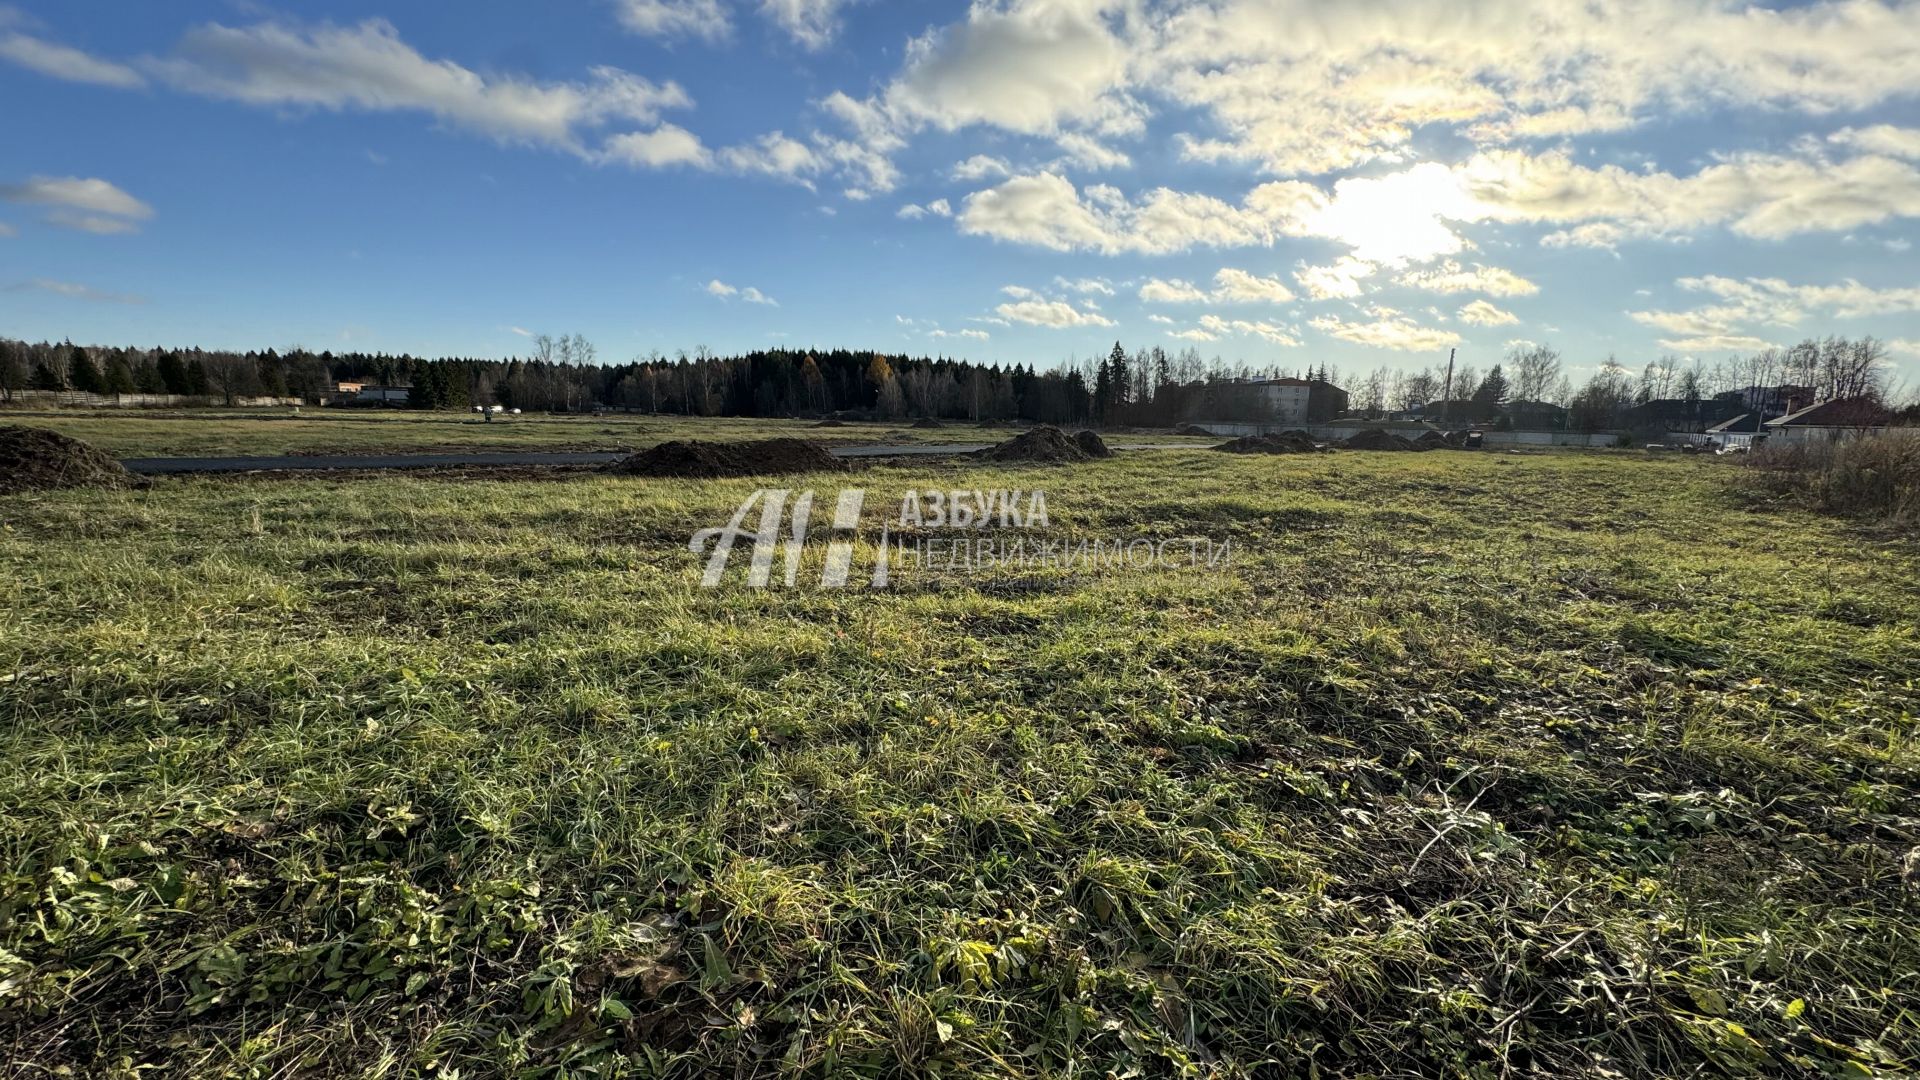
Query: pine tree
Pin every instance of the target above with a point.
(83, 375)
(1102, 387)
(1121, 380)
(1492, 391)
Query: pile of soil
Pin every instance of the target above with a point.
(1192, 429)
(928, 422)
(693, 458)
(1045, 444)
(35, 459)
(831, 422)
(1433, 439)
(1286, 442)
(1091, 444)
(1382, 439)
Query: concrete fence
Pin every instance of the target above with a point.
(80, 399)
(1412, 429)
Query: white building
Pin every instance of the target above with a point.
(1288, 397)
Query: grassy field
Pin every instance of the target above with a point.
(217, 432)
(1473, 765)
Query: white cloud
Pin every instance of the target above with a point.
(1412, 216)
(1046, 210)
(751, 295)
(1388, 330)
(1086, 286)
(1341, 280)
(62, 62)
(1483, 313)
(1298, 87)
(368, 67)
(1089, 153)
(774, 154)
(1232, 286)
(519, 331)
(85, 204)
(1194, 334)
(1765, 196)
(976, 335)
(1056, 314)
(1161, 319)
(1156, 291)
(981, 167)
(1881, 139)
(1215, 326)
(1749, 303)
(97, 224)
(77, 193)
(665, 146)
(812, 23)
(1451, 277)
(1031, 66)
(74, 291)
(1905, 347)
(705, 19)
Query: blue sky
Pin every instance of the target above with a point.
(1287, 183)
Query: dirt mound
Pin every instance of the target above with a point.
(1045, 444)
(1433, 439)
(1091, 444)
(35, 459)
(1192, 429)
(831, 422)
(928, 422)
(1381, 439)
(1286, 442)
(694, 458)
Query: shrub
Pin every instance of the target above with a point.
(1872, 476)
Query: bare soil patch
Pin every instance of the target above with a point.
(1045, 444)
(1285, 442)
(1091, 444)
(1382, 439)
(35, 459)
(766, 457)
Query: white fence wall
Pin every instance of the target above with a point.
(1411, 430)
(81, 399)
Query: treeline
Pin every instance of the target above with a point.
(1531, 382)
(1147, 386)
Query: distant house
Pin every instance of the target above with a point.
(382, 395)
(1534, 415)
(1841, 418)
(1744, 424)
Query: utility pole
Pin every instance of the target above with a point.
(1446, 396)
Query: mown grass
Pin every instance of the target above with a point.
(218, 432)
(1469, 765)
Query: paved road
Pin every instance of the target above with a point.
(157, 466)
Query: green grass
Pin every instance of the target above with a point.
(218, 432)
(1471, 765)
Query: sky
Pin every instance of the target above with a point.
(1281, 182)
